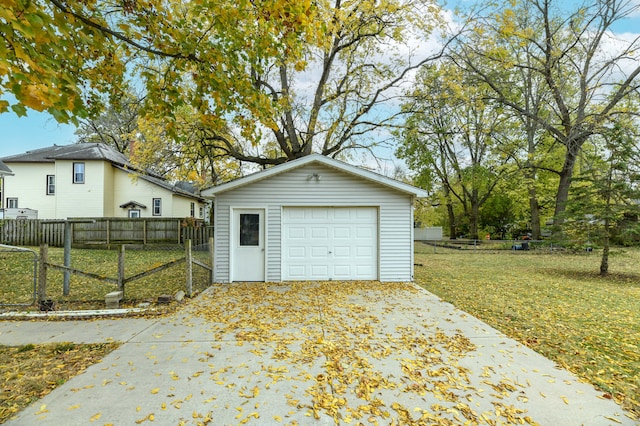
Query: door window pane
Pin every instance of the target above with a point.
(249, 229)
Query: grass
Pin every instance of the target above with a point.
(30, 372)
(16, 276)
(555, 303)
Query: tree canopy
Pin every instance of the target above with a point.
(264, 81)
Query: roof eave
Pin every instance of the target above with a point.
(329, 162)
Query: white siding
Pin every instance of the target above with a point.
(222, 225)
(104, 190)
(334, 188)
(80, 199)
(28, 185)
(274, 243)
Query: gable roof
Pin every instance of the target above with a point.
(4, 169)
(100, 152)
(176, 189)
(75, 151)
(320, 159)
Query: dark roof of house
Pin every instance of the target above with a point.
(4, 169)
(177, 188)
(132, 204)
(76, 151)
(97, 151)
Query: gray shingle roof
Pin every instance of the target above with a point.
(4, 169)
(95, 151)
(76, 151)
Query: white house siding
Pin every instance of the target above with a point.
(79, 199)
(222, 227)
(133, 188)
(335, 188)
(109, 192)
(273, 253)
(29, 186)
(182, 207)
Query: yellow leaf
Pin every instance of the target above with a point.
(155, 390)
(95, 417)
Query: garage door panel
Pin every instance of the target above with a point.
(341, 232)
(319, 252)
(330, 243)
(364, 232)
(318, 215)
(296, 232)
(297, 252)
(320, 272)
(363, 252)
(320, 232)
(343, 251)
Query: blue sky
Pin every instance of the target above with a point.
(37, 130)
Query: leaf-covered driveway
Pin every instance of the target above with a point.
(323, 353)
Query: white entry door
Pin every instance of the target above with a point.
(248, 245)
(330, 243)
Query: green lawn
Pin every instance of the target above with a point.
(555, 303)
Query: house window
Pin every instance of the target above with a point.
(193, 209)
(78, 172)
(12, 203)
(134, 213)
(157, 206)
(51, 184)
(201, 212)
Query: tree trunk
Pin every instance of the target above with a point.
(453, 233)
(604, 262)
(534, 206)
(562, 195)
(474, 217)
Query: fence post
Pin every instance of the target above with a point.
(121, 269)
(42, 273)
(211, 259)
(67, 257)
(187, 248)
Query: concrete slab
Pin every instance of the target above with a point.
(16, 333)
(315, 353)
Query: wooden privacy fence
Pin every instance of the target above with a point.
(120, 281)
(104, 231)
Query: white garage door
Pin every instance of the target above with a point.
(323, 243)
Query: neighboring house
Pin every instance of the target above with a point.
(91, 180)
(314, 218)
(4, 171)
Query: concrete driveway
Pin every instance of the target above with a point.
(311, 353)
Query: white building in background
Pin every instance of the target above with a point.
(90, 180)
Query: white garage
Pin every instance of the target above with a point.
(322, 243)
(316, 219)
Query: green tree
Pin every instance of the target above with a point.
(608, 189)
(453, 137)
(266, 81)
(569, 54)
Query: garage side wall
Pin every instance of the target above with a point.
(300, 188)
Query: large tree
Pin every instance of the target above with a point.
(266, 80)
(583, 69)
(453, 139)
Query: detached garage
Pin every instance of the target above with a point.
(314, 218)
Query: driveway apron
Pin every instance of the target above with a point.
(315, 353)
